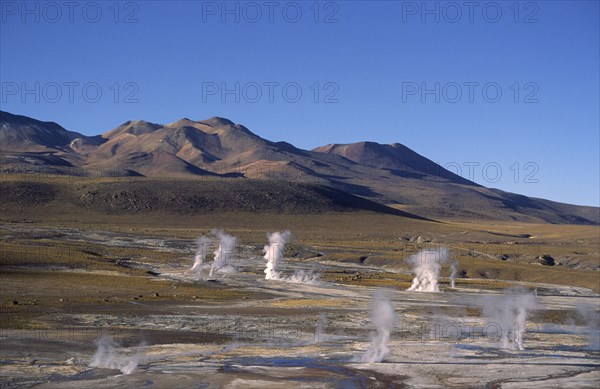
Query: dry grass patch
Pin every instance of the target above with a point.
(26, 294)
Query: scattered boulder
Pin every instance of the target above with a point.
(422, 239)
(546, 260)
(507, 257)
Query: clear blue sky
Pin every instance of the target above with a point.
(369, 61)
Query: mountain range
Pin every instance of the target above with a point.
(389, 174)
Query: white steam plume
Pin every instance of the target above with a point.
(453, 269)
(109, 356)
(592, 319)
(507, 315)
(201, 250)
(383, 318)
(274, 253)
(310, 277)
(223, 253)
(426, 266)
(320, 329)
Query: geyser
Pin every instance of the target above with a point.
(274, 253)
(426, 266)
(223, 253)
(507, 316)
(591, 318)
(108, 356)
(453, 271)
(201, 250)
(383, 318)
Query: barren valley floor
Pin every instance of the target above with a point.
(75, 286)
